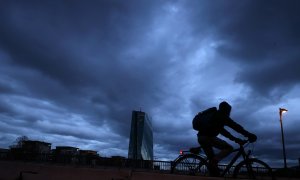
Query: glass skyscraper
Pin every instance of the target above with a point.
(141, 137)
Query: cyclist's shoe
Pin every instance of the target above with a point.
(214, 172)
(213, 168)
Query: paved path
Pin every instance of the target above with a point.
(11, 171)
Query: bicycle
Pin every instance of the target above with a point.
(192, 162)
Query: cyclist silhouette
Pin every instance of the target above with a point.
(207, 137)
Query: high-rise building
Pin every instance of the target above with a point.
(141, 137)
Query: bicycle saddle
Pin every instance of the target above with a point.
(195, 150)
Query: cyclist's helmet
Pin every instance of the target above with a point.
(225, 108)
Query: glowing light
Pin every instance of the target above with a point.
(282, 110)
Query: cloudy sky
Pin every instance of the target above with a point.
(71, 72)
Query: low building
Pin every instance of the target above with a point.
(66, 150)
(32, 150)
(66, 154)
(88, 152)
(36, 147)
(4, 153)
(88, 157)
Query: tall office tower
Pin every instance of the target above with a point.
(141, 137)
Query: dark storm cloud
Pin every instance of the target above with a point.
(35, 34)
(275, 78)
(33, 38)
(262, 36)
(265, 37)
(83, 58)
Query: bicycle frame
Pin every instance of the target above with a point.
(240, 152)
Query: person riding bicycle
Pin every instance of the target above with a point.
(207, 137)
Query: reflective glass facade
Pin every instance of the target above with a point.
(141, 137)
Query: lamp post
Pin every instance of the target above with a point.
(281, 111)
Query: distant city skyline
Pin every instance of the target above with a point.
(71, 72)
(24, 140)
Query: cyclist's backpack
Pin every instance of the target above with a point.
(203, 119)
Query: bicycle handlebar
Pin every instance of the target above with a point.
(243, 145)
(244, 142)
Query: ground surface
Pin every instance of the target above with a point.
(10, 170)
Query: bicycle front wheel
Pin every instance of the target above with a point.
(190, 164)
(253, 169)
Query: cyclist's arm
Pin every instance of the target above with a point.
(235, 126)
(227, 134)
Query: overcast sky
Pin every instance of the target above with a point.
(71, 72)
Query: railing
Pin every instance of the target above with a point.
(88, 160)
(94, 161)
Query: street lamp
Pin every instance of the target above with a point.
(281, 111)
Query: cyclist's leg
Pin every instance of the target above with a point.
(207, 145)
(225, 148)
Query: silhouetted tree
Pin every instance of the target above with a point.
(18, 143)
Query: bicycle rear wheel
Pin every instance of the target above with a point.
(190, 164)
(253, 169)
